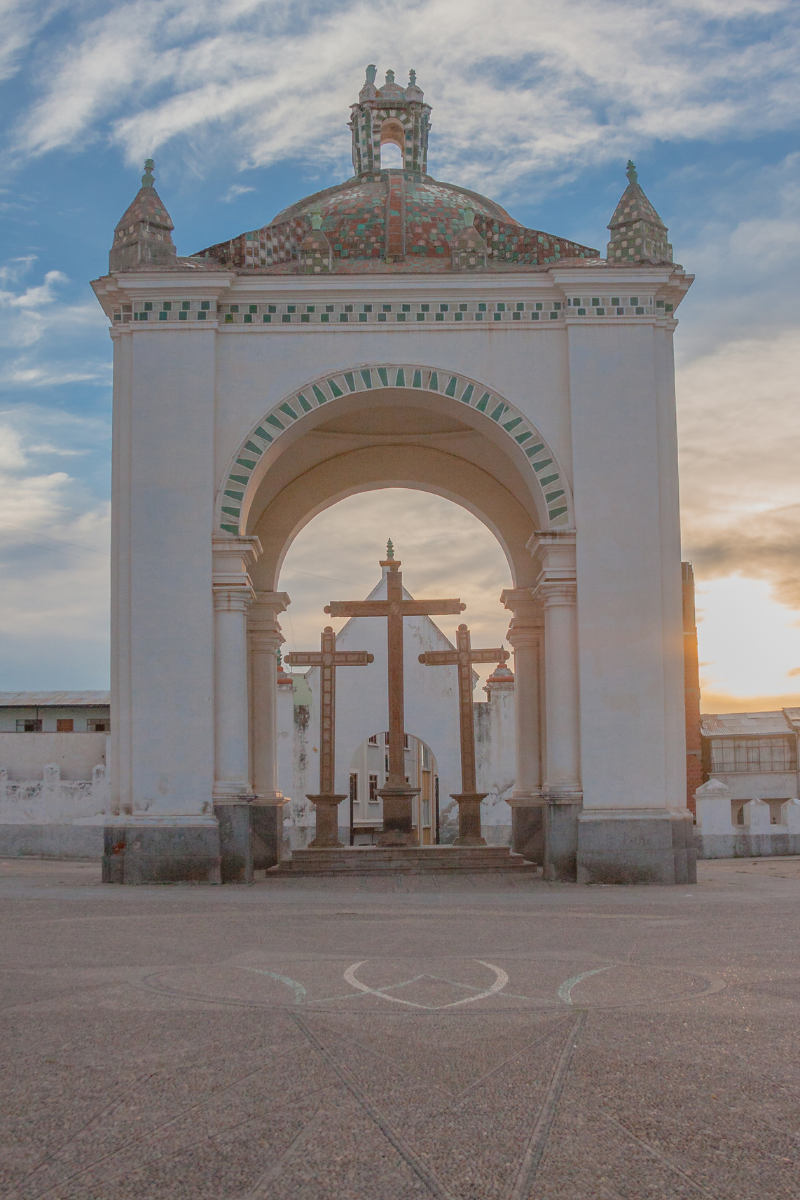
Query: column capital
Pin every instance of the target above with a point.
(527, 622)
(232, 558)
(262, 620)
(557, 580)
(233, 597)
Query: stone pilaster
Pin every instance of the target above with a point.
(526, 635)
(556, 588)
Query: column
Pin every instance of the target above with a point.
(525, 635)
(265, 638)
(557, 589)
(233, 594)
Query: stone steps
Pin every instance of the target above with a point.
(414, 860)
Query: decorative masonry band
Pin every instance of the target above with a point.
(392, 313)
(288, 412)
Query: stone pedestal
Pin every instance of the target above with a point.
(398, 817)
(327, 810)
(469, 818)
(155, 850)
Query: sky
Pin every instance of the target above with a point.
(536, 103)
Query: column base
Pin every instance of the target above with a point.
(161, 850)
(527, 825)
(469, 818)
(636, 846)
(250, 836)
(327, 809)
(398, 816)
(267, 817)
(561, 839)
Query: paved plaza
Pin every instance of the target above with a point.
(400, 1037)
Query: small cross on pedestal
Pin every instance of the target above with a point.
(397, 795)
(328, 658)
(469, 799)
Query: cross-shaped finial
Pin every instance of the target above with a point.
(147, 178)
(631, 172)
(412, 78)
(389, 550)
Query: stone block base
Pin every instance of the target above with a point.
(250, 838)
(63, 842)
(142, 851)
(635, 846)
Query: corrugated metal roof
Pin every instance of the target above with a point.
(757, 724)
(53, 699)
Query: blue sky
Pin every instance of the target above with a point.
(243, 104)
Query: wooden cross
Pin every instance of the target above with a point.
(328, 658)
(469, 799)
(397, 794)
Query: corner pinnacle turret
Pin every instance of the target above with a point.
(143, 236)
(637, 232)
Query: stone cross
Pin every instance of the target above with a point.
(469, 799)
(328, 658)
(397, 795)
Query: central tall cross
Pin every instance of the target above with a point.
(397, 795)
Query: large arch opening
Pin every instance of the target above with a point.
(445, 551)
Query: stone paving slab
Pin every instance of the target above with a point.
(400, 1037)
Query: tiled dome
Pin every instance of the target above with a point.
(393, 218)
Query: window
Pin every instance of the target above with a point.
(373, 789)
(386, 739)
(405, 741)
(65, 725)
(767, 754)
(28, 725)
(98, 725)
(386, 763)
(373, 741)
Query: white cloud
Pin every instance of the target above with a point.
(568, 81)
(54, 541)
(234, 191)
(27, 315)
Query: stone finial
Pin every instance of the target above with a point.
(143, 237)
(371, 72)
(389, 550)
(390, 76)
(412, 78)
(637, 232)
(316, 252)
(468, 250)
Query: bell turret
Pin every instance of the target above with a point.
(394, 114)
(143, 237)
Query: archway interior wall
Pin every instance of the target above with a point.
(420, 468)
(546, 482)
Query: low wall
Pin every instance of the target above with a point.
(746, 845)
(53, 817)
(24, 755)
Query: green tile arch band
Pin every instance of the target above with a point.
(292, 408)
